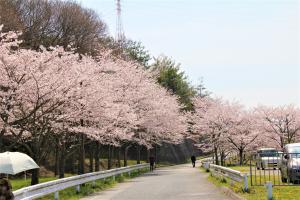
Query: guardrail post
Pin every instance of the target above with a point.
(78, 188)
(246, 187)
(94, 184)
(129, 174)
(206, 165)
(114, 178)
(56, 195)
(269, 190)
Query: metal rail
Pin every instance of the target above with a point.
(226, 172)
(43, 189)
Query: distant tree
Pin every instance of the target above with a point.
(280, 125)
(243, 134)
(77, 26)
(136, 51)
(168, 75)
(52, 23)
(9, 16)
(202, 90)
(128, 50)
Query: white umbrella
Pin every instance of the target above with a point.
(15, 162)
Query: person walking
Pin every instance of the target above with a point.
(193, 159)
(151, 161)
(5, 189)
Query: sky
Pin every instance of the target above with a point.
(244, 50)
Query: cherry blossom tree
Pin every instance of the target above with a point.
(212, 120)
(54, 95)
(36, 87)
(242, 135)
(279, 124)
(223, 127)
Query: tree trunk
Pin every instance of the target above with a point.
(222, 158)
(2, 147)
(119, 157)
(138, 159)
(109, 159)
(91, 157)
(97, 157)
(72, 164)
(1, 143)
(62, 162)
(241, 152)
(35, 176)
(82, 155)
(113, 159)
(125, 155)
(35, 154)
(56, 166)
(155, 154)
(148, 155)
(216, 156)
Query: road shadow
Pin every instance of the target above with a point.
(150, 174)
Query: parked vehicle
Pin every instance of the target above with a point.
(267, 158)
(290, 165)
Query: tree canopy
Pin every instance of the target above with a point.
(168, 74)
(52, 23)
(136, 51)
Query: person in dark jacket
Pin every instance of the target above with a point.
(5, 189)
(193, 159)
(151, 161)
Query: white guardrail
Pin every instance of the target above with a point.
(40, 190)
(226, 172)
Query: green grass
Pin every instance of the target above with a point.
(87, 189)
(243, 169)
(256, 192)
(20, 183)
(70, 193)
(260, 177)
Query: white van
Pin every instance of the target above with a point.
(267, 158)
(290, 165)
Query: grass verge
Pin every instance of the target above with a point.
(256, 192)
(88, 188)
(20, 183)
(85, 190)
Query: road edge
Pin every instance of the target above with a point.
(228, 192)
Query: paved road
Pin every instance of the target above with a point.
(181, 182)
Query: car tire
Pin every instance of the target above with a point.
(291, 181)
(257, 166)
(284, 180)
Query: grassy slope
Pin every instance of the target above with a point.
(71, 194)
(87, 189)
(20, 182)
(258, 192)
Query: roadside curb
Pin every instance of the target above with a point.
(228, 192)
